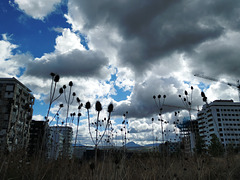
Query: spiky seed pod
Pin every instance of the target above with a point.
(78, 100)
(56, 78)
(164, 96)
(79, 114)
(98, 106)
(189, 103)
(88, 105)
(185, 92)
(70, 83)
(159, 96)
(110, 107)
(71, 114)
(154, 97)
(203, 94)
(126, 112)
(60, 90)
(61, 105)
(74, 94)
(191, 88)
(204, 99)
(179, 96)
(79, 107)
(184, 99)
(152, 119)
(124, 115)
(64, 86)
(52, 74)
(160, 109)
(81, 104)
(74, 114)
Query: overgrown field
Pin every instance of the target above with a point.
(118, 166)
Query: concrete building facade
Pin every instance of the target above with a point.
(221, 117)
(16, 108)
(60, 142)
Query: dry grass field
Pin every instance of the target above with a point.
(117, 166)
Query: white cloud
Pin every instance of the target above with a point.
(11, 62)
(68, 41)
(37, 9)
(6, 48)
(38, 117)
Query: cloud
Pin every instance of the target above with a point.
(37, 9)
(68, 41)
(151, 30)
(141, 102)
(73, 63)
(38, 117)
(218, 57)
(10, 61)
(70, 59)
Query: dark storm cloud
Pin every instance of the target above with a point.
(152, 29)
(73, 63)
(218, 58)
(142, 102)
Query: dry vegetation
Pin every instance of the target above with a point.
(117, 166)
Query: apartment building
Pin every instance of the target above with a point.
(16, 108)
(221, 117)
(37, 132)
(60, 142)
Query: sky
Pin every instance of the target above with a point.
(122, 52)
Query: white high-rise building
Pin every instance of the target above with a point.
(60, 142)
(221, 117)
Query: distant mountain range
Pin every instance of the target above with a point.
(132, 145)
